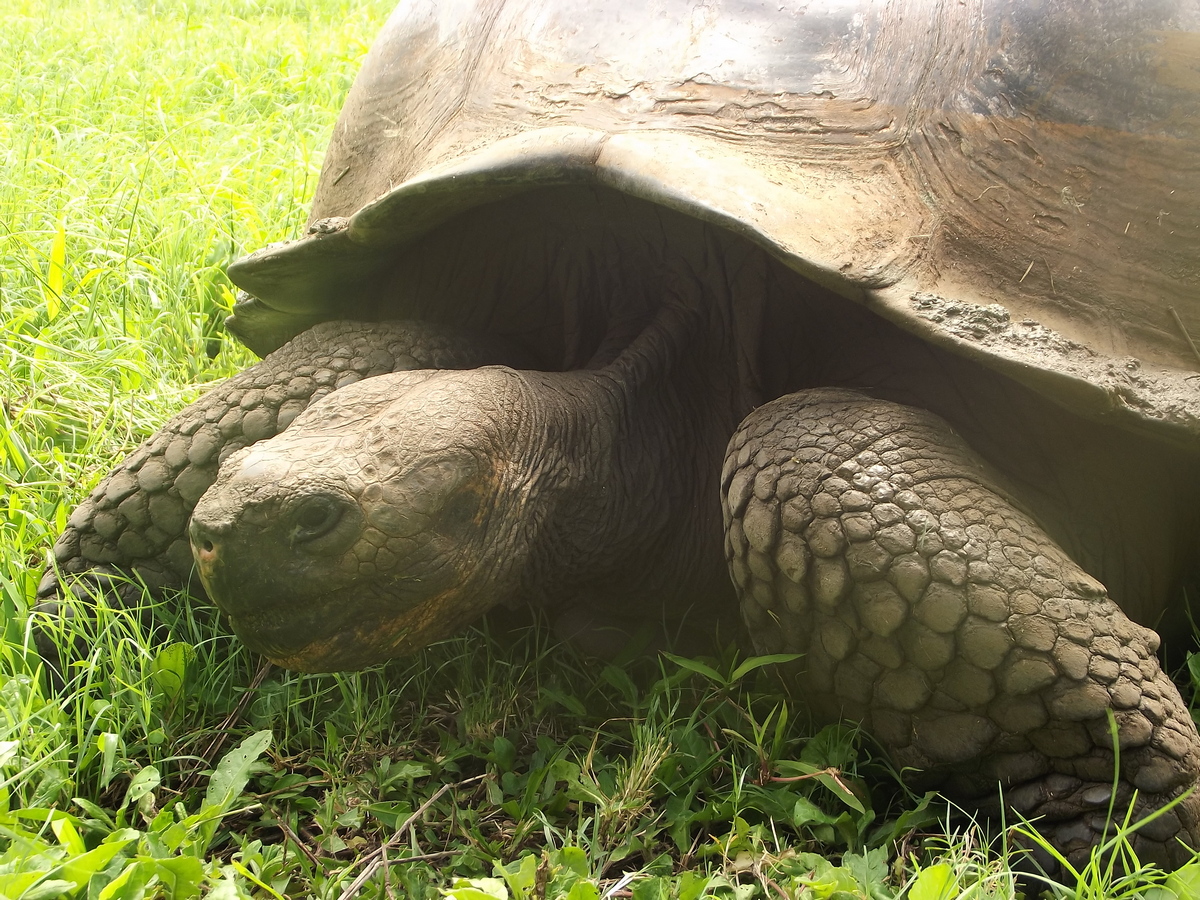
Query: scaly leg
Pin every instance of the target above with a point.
(134, 523)
(869, 537)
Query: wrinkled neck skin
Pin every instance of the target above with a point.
(622, 513)
(575, 274)
(400, 508)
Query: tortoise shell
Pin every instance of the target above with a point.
(1016, 181)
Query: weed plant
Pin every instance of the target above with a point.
(143, 146)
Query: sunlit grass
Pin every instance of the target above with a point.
(143, 147)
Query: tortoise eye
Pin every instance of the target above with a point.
(315, 516)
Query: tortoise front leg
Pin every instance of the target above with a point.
(134, 523)
(869, 537)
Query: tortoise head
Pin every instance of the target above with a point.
(359, 534)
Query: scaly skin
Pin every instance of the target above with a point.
(864, 534)
(134, 523)
(399, 509)
(869, 537)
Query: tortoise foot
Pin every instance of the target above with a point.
(1082, 818)
(930, 607)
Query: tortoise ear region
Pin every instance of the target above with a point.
(427, 487)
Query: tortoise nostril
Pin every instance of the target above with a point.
(205, 550)
(203, 536)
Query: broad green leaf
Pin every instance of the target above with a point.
(1185, 881)
(164, 821)
(240, 869)
(478, 889)
(65, 831)
(169, 669)
(233, 772)
(570, 703)
(833, 745)
(520, 875)
(573, 858)
(140, 785)
(95, 811)
(805, 812)
(131, 884)
(869, 867)
(823, 880)
(842, 792)
(36, 813)
(795, 768)
(225, 786)
(407, 769)
(651, 889)
(17, 883)
(1182, 884)
(225, 889)
(80, 868)
(182, 874)
(619, 679)
(1193, 664)
(48, 890)
(504, 754)
(390, 813)
(692, 885)
(934, 883)
(583, 890)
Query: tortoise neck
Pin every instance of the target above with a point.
(626, 461)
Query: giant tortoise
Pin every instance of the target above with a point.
(885, 310)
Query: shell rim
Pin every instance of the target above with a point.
(302, 278)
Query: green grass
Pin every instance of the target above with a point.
(142, 148)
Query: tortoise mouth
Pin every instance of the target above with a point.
(279, 632)
(306, 612)
(318, 638)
